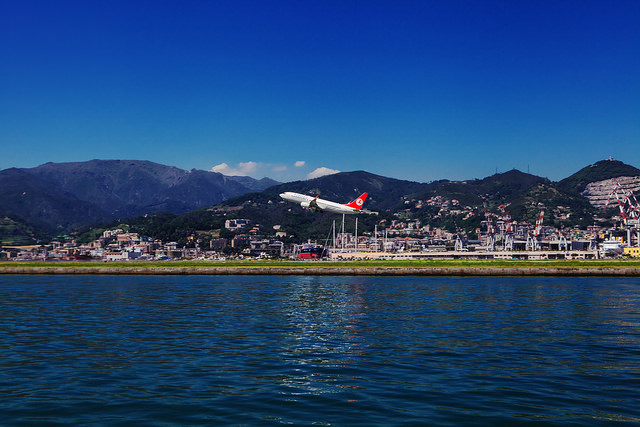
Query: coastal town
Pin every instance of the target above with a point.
(395, 239)
(601, 222)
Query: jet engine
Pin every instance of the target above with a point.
(305, 205)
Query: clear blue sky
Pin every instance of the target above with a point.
(417, 90)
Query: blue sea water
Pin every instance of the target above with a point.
(229, 350)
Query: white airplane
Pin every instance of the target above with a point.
(320, 205)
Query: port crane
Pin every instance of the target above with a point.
(491, 239)
(533, 239)
(629, 209)
(504, 226)
(506, 229)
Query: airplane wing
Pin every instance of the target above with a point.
(314, 204)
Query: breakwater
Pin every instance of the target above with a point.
(334, 271)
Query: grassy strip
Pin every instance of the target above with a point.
(607, 264)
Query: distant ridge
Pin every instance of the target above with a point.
(43, 203)
(62, 196)
(599, 171)
(345, 186)
(596, 182)
(519, 193)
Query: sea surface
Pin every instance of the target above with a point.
(346, 351)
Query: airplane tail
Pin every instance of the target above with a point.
(357, 203)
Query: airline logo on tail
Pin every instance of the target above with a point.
(357, 203)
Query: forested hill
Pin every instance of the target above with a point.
(521, 194)
(384, 193)
(61, 197)
(599, 171)
(452, 205)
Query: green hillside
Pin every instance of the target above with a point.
(498, 189)
(390, 198)
(61, 197)
(451, 205)
(562, 209)
(599, 171)
(16, 232)
(384, 193)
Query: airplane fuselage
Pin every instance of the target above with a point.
(317, 204)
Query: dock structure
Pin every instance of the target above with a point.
(443, 255)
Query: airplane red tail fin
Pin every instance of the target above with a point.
(357, 203)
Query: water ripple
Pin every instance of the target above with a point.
(318, 350)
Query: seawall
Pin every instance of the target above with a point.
(335, 271)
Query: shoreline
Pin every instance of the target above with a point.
(331, 271)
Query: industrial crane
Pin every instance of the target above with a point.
(533, 241)
(491, 241)
(629, 209)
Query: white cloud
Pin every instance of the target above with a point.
(248, 167)
(322, 171)
(222, 168)
(243, 169)
(277, 171)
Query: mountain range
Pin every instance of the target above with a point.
(514, 188)
(61, 197)
(58, 197)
